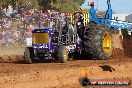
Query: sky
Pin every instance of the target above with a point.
(118, 6)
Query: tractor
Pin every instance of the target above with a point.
(94, 39)
(58, 43)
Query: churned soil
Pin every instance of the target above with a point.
(16, 74)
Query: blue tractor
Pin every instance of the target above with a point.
(94, 39)
(57, 43)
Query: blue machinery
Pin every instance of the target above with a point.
(108, 21)
(64, 42)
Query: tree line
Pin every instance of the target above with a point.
(60, 5)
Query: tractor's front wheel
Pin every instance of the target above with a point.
(62, 54)
(98, 41)
(28, 55)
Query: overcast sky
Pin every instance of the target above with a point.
(118, 6)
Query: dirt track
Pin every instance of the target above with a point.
(16, 74)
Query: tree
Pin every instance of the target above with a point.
(24, 3)
(44, 4)
(20, 3)
(81, 2)
(69, 6)
(4, 3)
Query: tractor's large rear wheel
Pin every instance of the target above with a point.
(98, 41)
(28, 55)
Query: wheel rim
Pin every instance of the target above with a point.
(65, 54)
(107, 42)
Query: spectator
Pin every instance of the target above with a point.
(29, 19)
(10, 10)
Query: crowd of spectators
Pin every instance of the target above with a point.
(17, 23)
